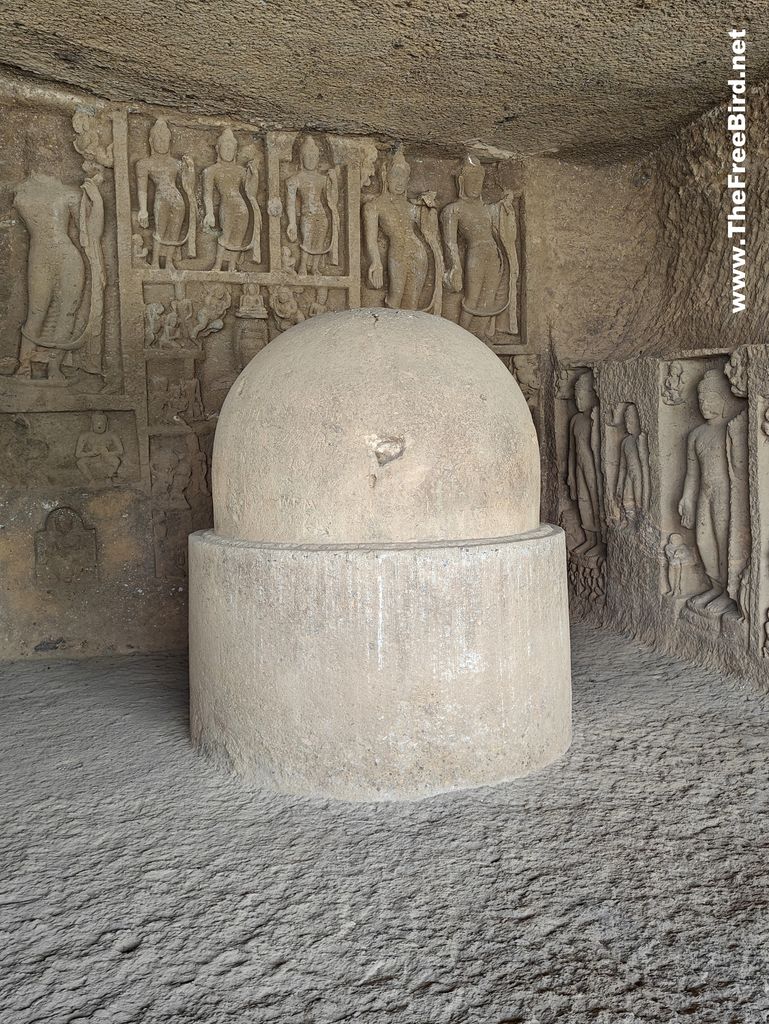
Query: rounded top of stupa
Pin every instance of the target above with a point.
(375, 426)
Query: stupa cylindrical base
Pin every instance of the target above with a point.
(390, 672)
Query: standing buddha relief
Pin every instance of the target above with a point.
(237, 188)
(173, 182)
(410, 230)
(487, 277)
(312, 208)
(714, 497)
(65, 279)
(470, 249)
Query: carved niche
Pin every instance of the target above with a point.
(65, 549)
(582, 512)
(708, 549)
(61, 338)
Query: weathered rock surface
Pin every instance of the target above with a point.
(627, 882)
(592, 80)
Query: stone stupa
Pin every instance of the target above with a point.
(378, 613)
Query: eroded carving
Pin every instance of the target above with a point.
(53, 335)
(284, 308)
(173, 183)
(25, 453)
(410, 230)
(584, 479)
(312, 206)
(237, 188)
(90, 132)
(738, 577)
(65, 549)
(633, 479)
(487, 276)
(679, 556)
(672, 385)
(171, 473)
(705, 504)
(182, 326)
(99, 451)
(173, 402)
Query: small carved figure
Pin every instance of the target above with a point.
(584, 470)
(168, 208)
(88, 130)
(197, 487)
(99, 451)
(489, 232)
(174, 402)
(251, 304)
(170, 474)
(319, 304)
(56, 275)
(288, 259)
(238, 189)
(765, 645)
(312, 223)
(411, 232)
(209, 317)
(672, 386)
(633, 484)
(705, 502)
(170, 337)
(678, 555)
(526, 372)
(65, 550)
(284, 307)
(139, 250)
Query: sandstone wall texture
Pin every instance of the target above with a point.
(595, 80)
(683, 299)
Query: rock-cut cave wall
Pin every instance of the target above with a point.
(661, 451)
(147, 255)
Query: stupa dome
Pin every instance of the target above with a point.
(375, 426)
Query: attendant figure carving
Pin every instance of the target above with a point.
(633, 484)
(237, 188)
(410, 230)
(487, 277)
(584, 471)
(672, 386)
(312, 206)
(165, 173)
(679, 555)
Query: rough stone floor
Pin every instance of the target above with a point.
(628, 882)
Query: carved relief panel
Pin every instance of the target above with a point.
(60, 328)
(452, 246)
(76, 449)
(149, 255)
(582, 512)
(705, 511)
